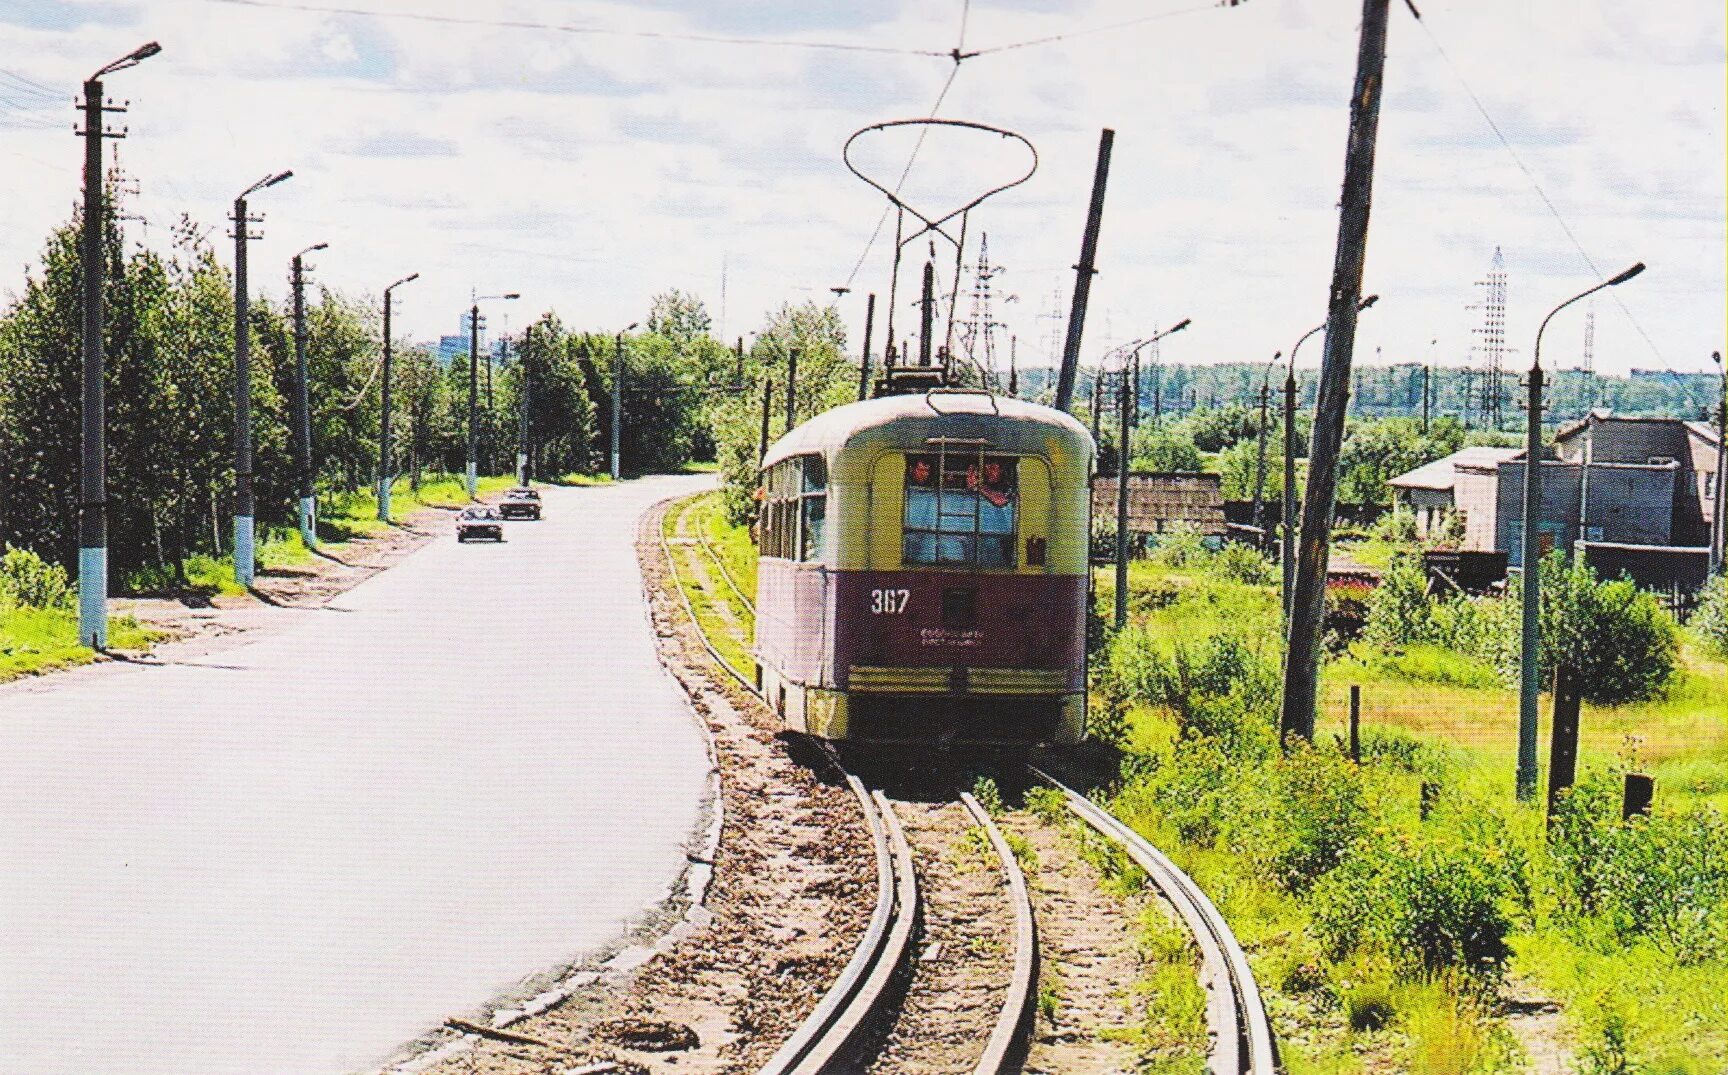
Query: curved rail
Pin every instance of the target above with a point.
(690, 611)
(1008, 1038)
(826, 1040)
(1241, 1033)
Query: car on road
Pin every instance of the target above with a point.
(520, 503)
(479, 524)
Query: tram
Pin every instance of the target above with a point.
(923, 572)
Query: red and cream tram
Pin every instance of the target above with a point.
(923, 572)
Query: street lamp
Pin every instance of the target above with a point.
(384, 475)
(1287, 515)
(1529, 560)
(302, 406)
(244, 503)
(1719, 518)
(93, 471)
(1122, 437)
(618, 395)
(474, 387)
(1260, 451)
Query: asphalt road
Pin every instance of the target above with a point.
(293, 854)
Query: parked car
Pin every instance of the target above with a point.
(479, 524)
(520, 504)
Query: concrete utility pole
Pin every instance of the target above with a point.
(308, 508)
(927, 314)
(93, 471)
(473, 454)
(767, 413)
(864, 363)
(245, 504)
(1719, 521)
(618, 398)
(385, 477)
(791, 388)
(1530, 555)
(1083, 273)
(1287, 512)
(1128, 388)
(1308, 602)
(1260, 449)
(524, 374)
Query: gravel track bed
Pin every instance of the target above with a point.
(1090, 960)
(965, 950)
(792, 890)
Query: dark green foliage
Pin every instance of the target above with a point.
(1430, 906)
(169, 345)
(28, 581)
(1162, 450)
(1616, 639)
(1710, 619)
(1663, 877)
(1375, 451)
(1314, 814)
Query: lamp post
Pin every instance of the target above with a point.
(245, 505)
(93, 471)
(473, 468)
(1127, 388)
(1529, 558)
(1260, 450)
(1719, 518)
(527, 387)
(1287, 515)
(618, 396)
(308, 510)
(385, 478)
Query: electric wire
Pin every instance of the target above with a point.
(1124, 24)
(1535, 184)
(567, 28)
(30, 86)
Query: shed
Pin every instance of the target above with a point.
(1165, 502)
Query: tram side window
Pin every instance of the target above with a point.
(813, 508)
(795, 509)
(960, 509)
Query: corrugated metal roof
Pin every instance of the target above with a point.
(1440, 473)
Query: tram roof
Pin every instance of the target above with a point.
(941, 413)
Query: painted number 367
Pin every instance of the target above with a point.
(888, 602)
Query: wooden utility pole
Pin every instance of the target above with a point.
(1563, 740)
(1083, 274)
(864, 361)
(1308, 603)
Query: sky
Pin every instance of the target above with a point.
(591, 154)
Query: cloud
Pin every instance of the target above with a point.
(401, 144)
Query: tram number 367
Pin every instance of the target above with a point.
(889, 602)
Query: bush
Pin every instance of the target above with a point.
(1312, 815)
(1399, 612)
(1430, 907)
(28, 581)
(1618, 642)
(1239, 562)
(1219, 688)
(1662, 877)
(1710, 620)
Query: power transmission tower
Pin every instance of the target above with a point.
(1493, 345)
(978, 331)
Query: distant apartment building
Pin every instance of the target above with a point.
(1635, 495)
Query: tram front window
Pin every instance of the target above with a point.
(959, 510)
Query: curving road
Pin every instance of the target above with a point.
(295, 853)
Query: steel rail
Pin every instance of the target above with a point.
(1242, 1042)
(829, 1037)
(1008, 1037)
(690, 610)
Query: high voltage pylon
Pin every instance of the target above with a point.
(978, 331)
(1493, 345)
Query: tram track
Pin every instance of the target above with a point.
(847, 1031)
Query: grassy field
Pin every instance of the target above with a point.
(1634, 1000)
(34, 640)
